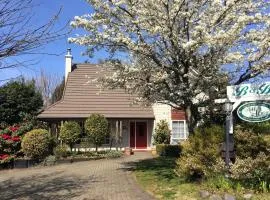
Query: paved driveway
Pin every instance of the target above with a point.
(95, 180)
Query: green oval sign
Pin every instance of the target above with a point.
(254, 112)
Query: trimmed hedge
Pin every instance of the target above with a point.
(96, 127)
(36, 143)
(70, 132)
(168, 150)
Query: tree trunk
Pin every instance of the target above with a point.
(70, 146)
(96, 147)
(111, 142)
(192, 117)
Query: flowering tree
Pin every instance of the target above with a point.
(177, 50)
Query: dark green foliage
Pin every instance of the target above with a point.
(257, 128)
(58, 92)
(162, 133)
(17, 97)
(200, 152)
(168, 150)
(250, 144)
(70, 132)
(96, 127)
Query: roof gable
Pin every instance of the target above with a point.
(82, 97)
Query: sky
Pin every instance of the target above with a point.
(54, 64)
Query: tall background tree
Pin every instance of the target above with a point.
(179, 52)
(18, 98)
(46, 84)
(20, 35)
(58, 91)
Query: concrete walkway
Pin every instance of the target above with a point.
(95, 180)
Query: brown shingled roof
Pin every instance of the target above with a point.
(83, 97)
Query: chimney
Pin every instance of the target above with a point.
(68, 59)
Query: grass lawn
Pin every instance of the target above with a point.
(157, 177)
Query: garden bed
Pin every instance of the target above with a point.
(52, 160)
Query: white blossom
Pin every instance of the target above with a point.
(178, 49)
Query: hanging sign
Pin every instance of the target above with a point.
(249, 92)
(254, 112)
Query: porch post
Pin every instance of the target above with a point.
(135, 145)
(120, 133)
(116, 134)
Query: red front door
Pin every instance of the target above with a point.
(138, 135)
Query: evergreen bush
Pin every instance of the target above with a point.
(70, 133)
(162, 133)
(200, 152)
(250, 144)
(36, 144)
(97, 127)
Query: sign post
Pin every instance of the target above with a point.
(253, 111)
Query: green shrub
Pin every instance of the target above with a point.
(251, 168)
(257, 128)
(96, 127)
(114, 154)
(220, 182)
(253, 172)
(168, 150)
(90, 154)
(162, 133)
(61, 151)
(70, 132)
(249, 144)
(200, 153)
(49, 160)
(36, 143)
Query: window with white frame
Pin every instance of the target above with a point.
(178, 131)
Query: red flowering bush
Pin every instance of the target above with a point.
(11, 137)
(16, 139)
(10, 141)
(5, 158)
(6, 136)
(13, 128)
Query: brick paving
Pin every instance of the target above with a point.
(89, 180)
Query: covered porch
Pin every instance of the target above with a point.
(132, 133)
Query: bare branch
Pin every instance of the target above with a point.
(18, 35)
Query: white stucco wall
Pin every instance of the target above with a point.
(162, 112)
